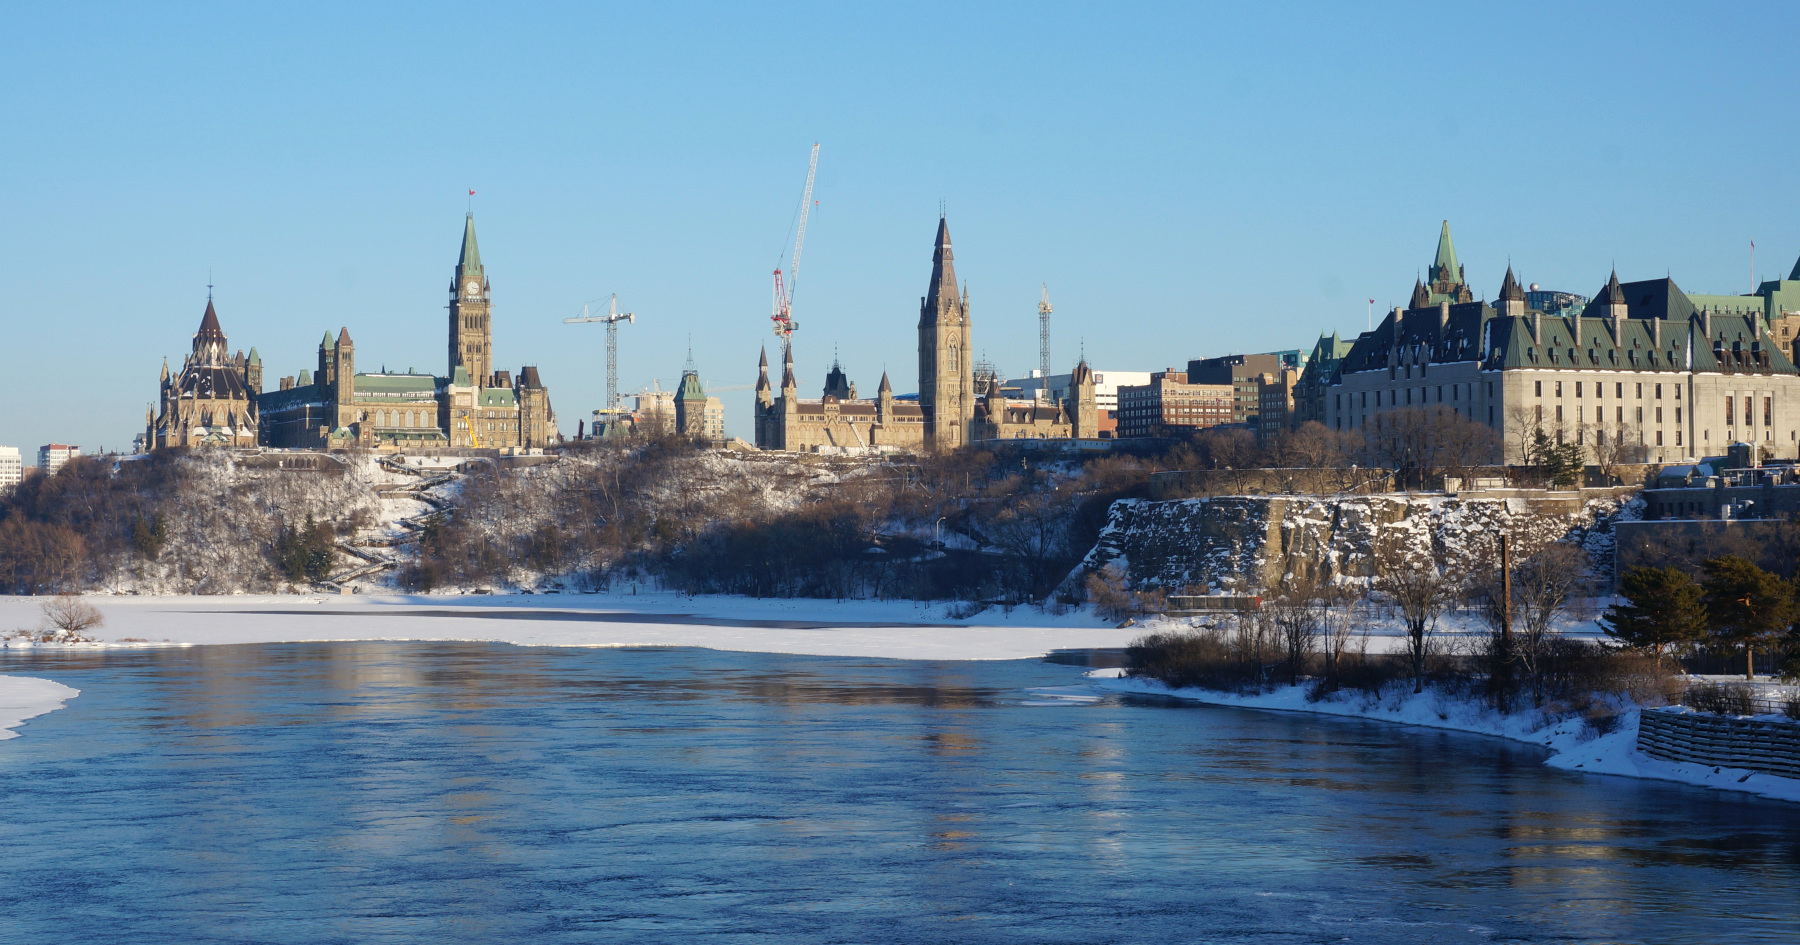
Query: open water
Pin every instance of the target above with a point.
(448, 793)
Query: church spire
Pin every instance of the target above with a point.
(1420, 299)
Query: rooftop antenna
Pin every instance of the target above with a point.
(687, 366)
(209, 283)
(1044, 332)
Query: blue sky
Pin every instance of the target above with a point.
(1190, 180)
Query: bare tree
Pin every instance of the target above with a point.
(1420, 590)
(70, 617)
(1423, 443)
(1294, 613)
(1614, 450)
(1341, 618)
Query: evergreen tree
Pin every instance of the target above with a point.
(1663, 611)
(1562, 461)
(1747, 606)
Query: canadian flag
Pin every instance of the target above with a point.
(471, 193)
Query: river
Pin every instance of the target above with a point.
(444, 792)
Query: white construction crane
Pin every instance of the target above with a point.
(611, 320)
(783, 315)
(1044, 332)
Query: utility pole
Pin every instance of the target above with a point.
(1044, 333)
(1504, 669)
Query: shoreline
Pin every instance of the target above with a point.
(1572, 745)
(23, 698)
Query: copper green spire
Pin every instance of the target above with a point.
(470, 260)
(1445, 268)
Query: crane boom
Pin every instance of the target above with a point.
(782, 310)
(812, 168)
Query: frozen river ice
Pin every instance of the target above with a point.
(469, 792)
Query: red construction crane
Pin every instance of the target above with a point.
(783, 312)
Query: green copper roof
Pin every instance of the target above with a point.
(254, 357)
(470, 259)
(460, 377)
(496, 397)
(326, 341)
(305, 378)
(690, 387)
(1445, 267)
(397, 387)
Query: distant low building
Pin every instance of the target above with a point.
(1243, 372)
(1056, 387)
(52, 456)
(1275, 400)
(12, 468)
(1169, 405)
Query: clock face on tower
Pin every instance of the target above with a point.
(472, 289)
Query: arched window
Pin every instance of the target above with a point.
(955, 359)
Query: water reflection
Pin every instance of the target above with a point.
(468, 792)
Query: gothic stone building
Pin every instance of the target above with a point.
(1642, 367)
(212, 402)
(948, 413)
(471, 406)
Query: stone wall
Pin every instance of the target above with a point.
(1771, 746)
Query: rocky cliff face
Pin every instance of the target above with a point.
(1252, 542)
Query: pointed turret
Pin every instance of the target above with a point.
(762, 371)
(325, 342)
(254, 357)
(1512, 295)
(1795, 275)
(344, 337)
(1613, 294)
(1510, 290)
(1420, 298)
(1445, 267)
(885, 387)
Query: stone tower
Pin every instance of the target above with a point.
(471, 341)
(946, 370)
(1084, 413)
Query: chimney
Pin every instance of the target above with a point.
(1706, 324)
(1656, 333)
(1537, 326)
(1443, 318)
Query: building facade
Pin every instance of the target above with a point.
(1243, 372)
(1642, 373)
(52, 456)
(472, 406)
(12, 468)
(1320, 372)
(1170, 406)
(1275, 402)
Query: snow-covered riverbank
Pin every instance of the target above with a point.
(25, 697)
(888, 629)
(1573, 745)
